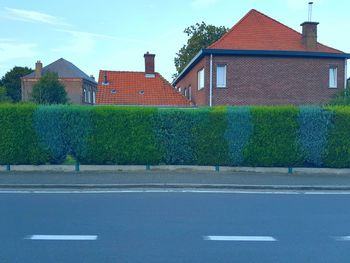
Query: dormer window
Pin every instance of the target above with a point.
(105, 80)
(113, 91)
(141, 92)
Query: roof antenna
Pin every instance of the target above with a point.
(310, 11)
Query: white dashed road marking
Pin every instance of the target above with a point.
(239, 238)
(62, 237)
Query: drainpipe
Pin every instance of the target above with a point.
(346, 72)
(211, 82)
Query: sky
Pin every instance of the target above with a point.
(114, 35)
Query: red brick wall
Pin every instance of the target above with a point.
(199, 97)
(254, 80)
(74, 89)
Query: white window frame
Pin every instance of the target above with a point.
(221, 85)
(93, 97)
(89, 96)
(201, 79)
(333, 77)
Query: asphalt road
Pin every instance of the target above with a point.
(174, 227)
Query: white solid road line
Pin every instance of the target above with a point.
(62, 237)
(239, 238)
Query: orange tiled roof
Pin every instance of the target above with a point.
(256, 31)
(133, 88)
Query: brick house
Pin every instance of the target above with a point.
(261, 61)
(80, 88)
(147, 88)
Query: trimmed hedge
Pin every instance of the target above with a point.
(122, 135)
(254, 136)
(337, 153)
(173, 134)
(238, 132)
(209, 146)
(314, 123)
(19, 142)
(273, 142)
(63, 130)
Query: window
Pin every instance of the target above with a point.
(85, 95)
(89, 96)
(93, 97)
(201, 79)
(185, 92)
(221, 76)
(113, 91)
(333, 75)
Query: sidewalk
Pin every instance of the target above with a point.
(162, 179)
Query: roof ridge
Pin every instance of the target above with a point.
(245, 17)
(233, 27)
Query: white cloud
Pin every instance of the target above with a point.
(203, 3)
(11, 50)
(34, 16)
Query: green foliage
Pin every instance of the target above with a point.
(19, 143)
(342, 98)
(122, 135)
(209, 146)
(273, 142)
(63, 130)
(239, 130)
(12, 82)
(314, 123)
(48, 90)
(337, 153)
(200, 36)
(3, 95)
(172, 128)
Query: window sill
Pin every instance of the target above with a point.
(221, 87)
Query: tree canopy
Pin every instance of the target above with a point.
(200, 36)
(3, 95)
(12, 81)
(48, 90)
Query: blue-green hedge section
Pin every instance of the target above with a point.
(173, 134)
(238, 131)
(314, 123)
(63, 130)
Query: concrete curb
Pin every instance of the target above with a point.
(172, 168)
(178, 186)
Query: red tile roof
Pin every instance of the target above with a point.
(256, 31)
(133, 88)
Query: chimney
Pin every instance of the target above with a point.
(309, 38)
(105, 79)
(149, 65)
(38, 69)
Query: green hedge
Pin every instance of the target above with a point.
(273, 141)
(208, 133)
(19, 142)
(337, 152)
(285, 136)
(122, 135)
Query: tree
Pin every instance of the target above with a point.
(3, 95)
(12, 81)
(200, 36)
(48, 90)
